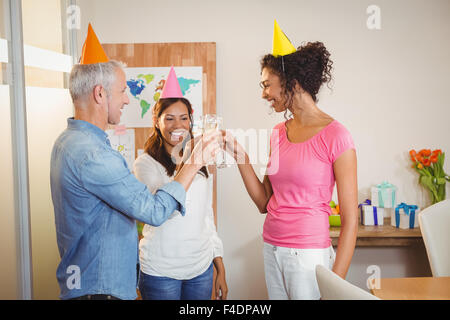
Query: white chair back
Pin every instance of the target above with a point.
(434, 223)
(333, 287)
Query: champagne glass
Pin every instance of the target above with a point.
(213, 122)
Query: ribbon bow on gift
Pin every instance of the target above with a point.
(365, 203)
(375, 215)
(382, 189)
(410, 210)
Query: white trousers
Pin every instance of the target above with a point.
(291, 273)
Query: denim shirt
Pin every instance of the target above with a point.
(96, 201)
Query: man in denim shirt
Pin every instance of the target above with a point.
(95, 196)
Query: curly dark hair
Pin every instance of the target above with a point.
(310, 66)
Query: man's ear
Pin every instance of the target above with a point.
(99, 94)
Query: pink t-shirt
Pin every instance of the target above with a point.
(302, 179)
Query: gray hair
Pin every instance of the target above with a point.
(84, 77)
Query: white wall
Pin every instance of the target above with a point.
(390, 90)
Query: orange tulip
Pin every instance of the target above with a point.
(437, 152)
(420, 166)
(413, 154)
(425, 152)
(419, 158)
(426, 162)
(433, 158)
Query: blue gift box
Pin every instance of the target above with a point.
(405, 216)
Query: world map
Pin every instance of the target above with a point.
(140, 84)
(145, 86)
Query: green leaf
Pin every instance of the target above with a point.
(437, 169)
(425, 180)
(441, 159)
(441, 192)
(426, 172)
(428, 183)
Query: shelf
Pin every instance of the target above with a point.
(382, 236)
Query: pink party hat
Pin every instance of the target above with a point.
(171, 87)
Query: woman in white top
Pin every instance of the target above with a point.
(176, 258)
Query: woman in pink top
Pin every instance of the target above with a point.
(310, 152)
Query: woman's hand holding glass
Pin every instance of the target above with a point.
(213, 122)
(234, 148)
(203, 149)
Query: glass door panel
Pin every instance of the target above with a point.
(9, 277)
(47, 65)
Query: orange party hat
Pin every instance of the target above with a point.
(92, 51)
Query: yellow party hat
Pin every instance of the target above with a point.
(92, 51)
(281, 45)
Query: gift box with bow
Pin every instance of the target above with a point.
(383, 195)
(371, 215)
(405, 216)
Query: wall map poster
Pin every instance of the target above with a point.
(144, 87)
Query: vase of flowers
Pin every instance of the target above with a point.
(430, 166)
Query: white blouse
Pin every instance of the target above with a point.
(183, 247)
